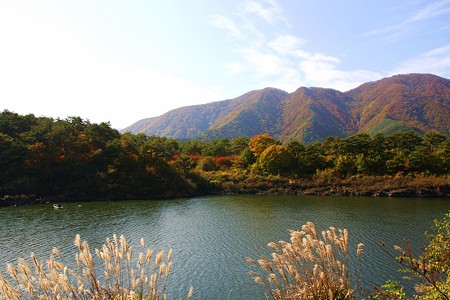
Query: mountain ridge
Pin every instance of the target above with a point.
(419, 102)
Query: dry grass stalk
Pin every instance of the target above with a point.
(122, 278)
(310, 266)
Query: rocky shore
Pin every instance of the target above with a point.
(344, 191)
(367, 186)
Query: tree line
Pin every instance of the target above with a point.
(75, 158)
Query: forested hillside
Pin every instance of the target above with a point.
(418, 102)
(74, 159)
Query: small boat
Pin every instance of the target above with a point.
(57, 206)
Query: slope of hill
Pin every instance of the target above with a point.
(257, 112)
(312, 114)
(415, 101)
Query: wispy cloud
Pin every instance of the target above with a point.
(223, 22)
(435, 9)
(287, 43)
(436, 61)
(412, 24)
(269, 10)
(278, 58)
(263, 62)
(234, 68)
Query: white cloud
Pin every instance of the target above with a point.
(316, 57)
(262, 63)
(289, 79)
(269, 12)
(222, 22)
(325, 74)
(432, 10)
(285, 44)
(282, 61)
(436, 61)
(415, 22)
(234, 67)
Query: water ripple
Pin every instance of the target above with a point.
(212, 236)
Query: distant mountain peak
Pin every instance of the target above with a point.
(420, 102)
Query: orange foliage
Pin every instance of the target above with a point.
(260, 142)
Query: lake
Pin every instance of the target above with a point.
(211, 236)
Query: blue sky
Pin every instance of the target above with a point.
(121, 61)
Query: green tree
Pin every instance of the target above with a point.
(247, 157)
(298, 151)
(312, 159)
(345, 165)
(444, 155)
(220, 147)
(239, 144)
(14, 124)
(402, 141)
(184, 163)
(192, 147)
(356, 144)
(208, 164)
(296, 148)
(426, 157)
(12, 158)
(162, 147)
(399, 146)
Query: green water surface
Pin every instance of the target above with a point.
(211, 236)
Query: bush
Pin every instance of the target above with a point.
(208, 164)
(431, 270)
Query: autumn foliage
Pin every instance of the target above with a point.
(75, 159)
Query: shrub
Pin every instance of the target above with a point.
(224, 162)
(431, 270)
(208, 164)
(391, 290)
(327, 176)
(310, 266)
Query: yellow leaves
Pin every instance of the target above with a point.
(259, 143)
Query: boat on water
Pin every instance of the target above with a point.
(57, 206)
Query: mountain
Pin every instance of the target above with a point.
(312, 114)
(420, 102)
(252, 113)
(416, 101)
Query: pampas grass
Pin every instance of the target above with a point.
(121, 277)
(310, 266)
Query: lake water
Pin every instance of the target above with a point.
(211, 236)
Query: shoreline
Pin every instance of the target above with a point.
(335, 191)
(367, 186)
(428, 187)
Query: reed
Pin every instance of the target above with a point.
(310, 266)
(114, 275)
